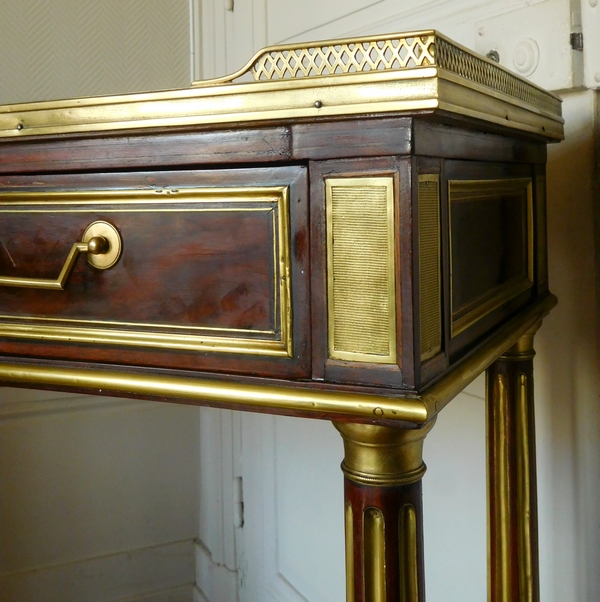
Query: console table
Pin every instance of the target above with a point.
(350, 230)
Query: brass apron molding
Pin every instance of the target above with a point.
(417, 410)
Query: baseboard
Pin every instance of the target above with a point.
(163, 573)
(185, 593)
(214, 582)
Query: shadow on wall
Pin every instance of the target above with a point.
(567, 370)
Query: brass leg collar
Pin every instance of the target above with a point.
(383, 456)
(523, 348)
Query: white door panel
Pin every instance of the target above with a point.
(590, 22)
(292, 543)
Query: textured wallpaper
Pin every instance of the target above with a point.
(53, 49)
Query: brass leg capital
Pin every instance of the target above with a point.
(383, 456)
(523, 348)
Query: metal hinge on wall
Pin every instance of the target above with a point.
(576, 39)
(238, 503)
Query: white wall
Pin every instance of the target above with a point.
(98, 497)
(568, 369)
(66, 48)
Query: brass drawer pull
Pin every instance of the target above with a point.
(102, 243)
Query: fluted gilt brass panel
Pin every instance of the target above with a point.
(361, 296)
(374, 555)
(430, 265)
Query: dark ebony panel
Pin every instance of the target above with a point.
(489, 245)
(436, 139)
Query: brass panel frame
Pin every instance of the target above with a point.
(465, 190)
(273, 200)
(414, 71)
(386, 182)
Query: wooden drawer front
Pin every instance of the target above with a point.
(203, 269)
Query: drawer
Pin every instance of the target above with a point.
(211, 274)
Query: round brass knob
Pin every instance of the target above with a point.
(104, 244)
(98, 245)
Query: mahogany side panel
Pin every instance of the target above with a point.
(435, 139)
(352, 138)
(389, 506)
(138, 151)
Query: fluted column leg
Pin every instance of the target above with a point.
(512, 494)
(383, 467)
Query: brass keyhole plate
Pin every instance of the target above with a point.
(110, 233)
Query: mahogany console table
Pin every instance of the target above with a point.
(353, 236)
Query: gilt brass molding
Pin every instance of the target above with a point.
(512, 539)
(523, 347)
(382, 455)
(499, 549)
(438, 395)
(349, 530)
(401, 407)
(215, 392)
(407, 554)
(374, 555)
(415, 71)
(524, 445)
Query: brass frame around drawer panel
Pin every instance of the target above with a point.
(468, 190)
(272, 200)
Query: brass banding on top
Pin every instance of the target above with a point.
(415, 71)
